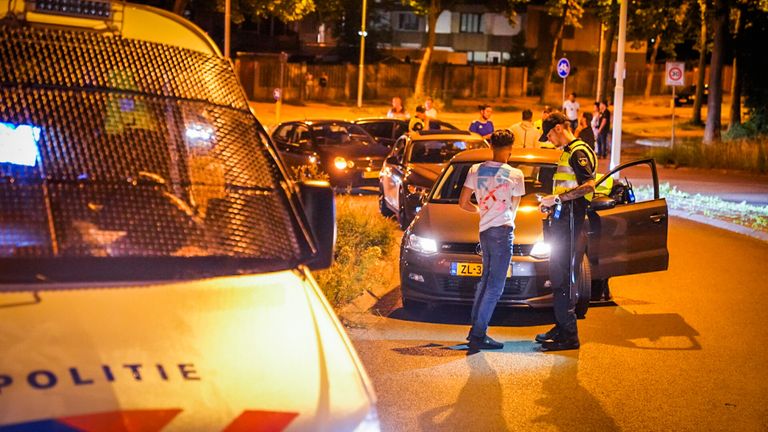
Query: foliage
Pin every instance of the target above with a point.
(657, 18)
(740, 154)
(366, 251)
(750, 216)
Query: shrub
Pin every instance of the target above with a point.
(366, 251)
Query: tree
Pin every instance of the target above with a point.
(660, 21)
(608, 12)
(702, 44)
(715, 98)
(432, 10)
(735, 112)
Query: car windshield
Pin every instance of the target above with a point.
(441, 151)
(538, 180)
(340, 134)
(134, 156)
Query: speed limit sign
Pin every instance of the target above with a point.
(675, 73)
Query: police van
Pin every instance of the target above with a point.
(154, 257)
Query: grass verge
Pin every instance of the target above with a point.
(740, 154)
(750, 216)
(366, 251)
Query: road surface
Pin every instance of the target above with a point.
(683, 349)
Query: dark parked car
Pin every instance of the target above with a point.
(412, 167)
(687, 95)
(440, 259)
(343, 150)
(388, 130)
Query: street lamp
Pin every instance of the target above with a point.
(360, 71)
(618, 93)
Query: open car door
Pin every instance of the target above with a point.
(628, 236)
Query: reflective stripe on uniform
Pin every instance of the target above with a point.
(565, 177)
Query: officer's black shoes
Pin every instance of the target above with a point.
(483, 343)
(548, 336)
(560, 345)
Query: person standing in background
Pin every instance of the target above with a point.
(603, 129)
(397, 110)
(544, 114)
(429, 105)
(526, 135)
(584, 130)
(571, 110)
(483, 126)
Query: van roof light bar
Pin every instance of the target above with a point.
(75, 8)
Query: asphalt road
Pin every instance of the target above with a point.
(684, 349)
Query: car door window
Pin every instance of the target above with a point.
(399, 149)
(301, 137)
(282, 135)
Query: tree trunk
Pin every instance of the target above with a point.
(712, 128)
(432, 14)
(179, 6)
(553, 58)
(610, 33)
(697, 102)
(735, 117)
(652, 66)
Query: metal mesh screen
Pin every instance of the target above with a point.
(139, 149)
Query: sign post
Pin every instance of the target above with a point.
(675, 76)
(563, 69)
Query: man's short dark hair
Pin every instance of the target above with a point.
(527, 114)
(573, 94)
(547, 109)
(421, 109)
(483, 107)
(502, 138)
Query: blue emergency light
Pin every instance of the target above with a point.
(18, 144)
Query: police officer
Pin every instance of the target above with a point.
(573, 187)
(420, 121)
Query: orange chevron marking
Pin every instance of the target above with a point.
(122, 421)
(261, 421)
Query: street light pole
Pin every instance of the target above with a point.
(618, 95)
(227, 20)
(361, 67)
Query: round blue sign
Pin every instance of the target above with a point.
(563, 67)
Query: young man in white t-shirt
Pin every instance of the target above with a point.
(497, 188)
(571, 109)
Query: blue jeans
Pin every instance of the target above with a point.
(496, 243)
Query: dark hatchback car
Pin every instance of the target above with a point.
(687, 95)
(412, 167)
(440, 258)
(343, 150)
(388, 130)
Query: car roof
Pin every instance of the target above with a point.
(447, 134)
(311, 122)
(518, 155)
(378, 119)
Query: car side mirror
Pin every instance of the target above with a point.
(602, 203)
(319, 204)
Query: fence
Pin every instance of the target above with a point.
(260, 75)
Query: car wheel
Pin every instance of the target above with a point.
(583, 289)
(383, 209)
(402, 219)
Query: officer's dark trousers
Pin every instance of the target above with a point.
(559, 236)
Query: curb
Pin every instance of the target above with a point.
(717, 223)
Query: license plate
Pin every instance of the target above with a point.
(471, 269)
(370, 174)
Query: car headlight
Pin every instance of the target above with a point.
(421, 244)
(370, 423)
(341, 163)
(540, 250)
(312, 159)
(420, 190)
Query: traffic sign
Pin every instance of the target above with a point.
(277, 93)
(675, 73)
(563, 68)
